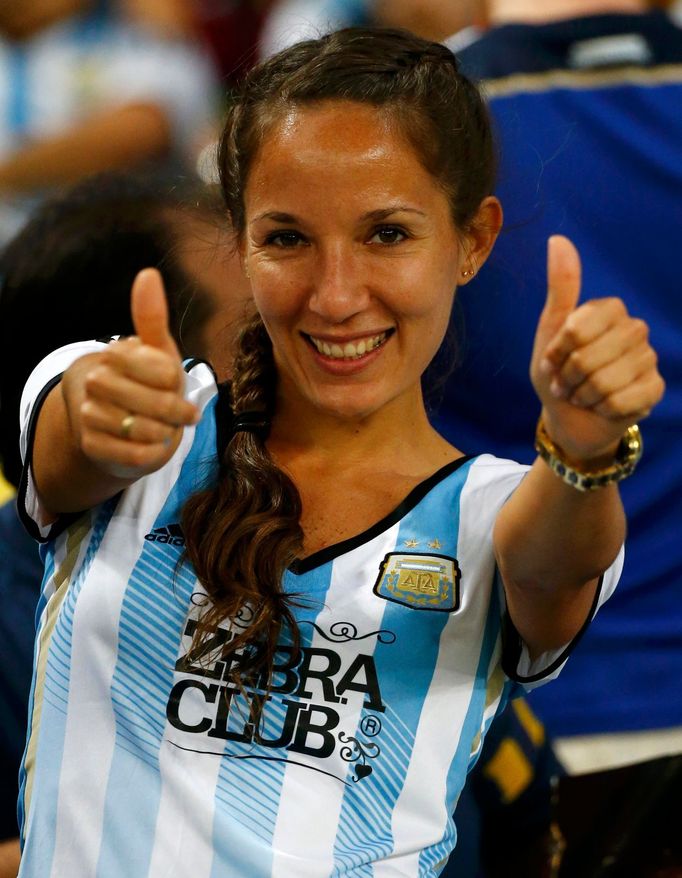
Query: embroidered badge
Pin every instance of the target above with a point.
(423, 582)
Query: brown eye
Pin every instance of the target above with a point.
(388, 235)
(287, 239)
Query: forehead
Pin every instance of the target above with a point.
(339, 150)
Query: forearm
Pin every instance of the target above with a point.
(10, 856)
(552, 543)
(114, 140)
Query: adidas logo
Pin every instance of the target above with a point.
(172, 534)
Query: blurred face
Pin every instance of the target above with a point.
(353, 258)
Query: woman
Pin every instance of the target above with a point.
(273, 644)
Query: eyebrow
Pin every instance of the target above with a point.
(373, 215)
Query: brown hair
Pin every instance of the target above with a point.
(244, 531)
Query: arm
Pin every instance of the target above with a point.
(113, 140)
(595, 374)
(10, 855)
(81, 454)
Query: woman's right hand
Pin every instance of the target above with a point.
(126, 404)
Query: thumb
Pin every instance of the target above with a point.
(564, 277)
(149, 309)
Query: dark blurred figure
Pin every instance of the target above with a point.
(506, 814)
(586, 99)
(108, 227)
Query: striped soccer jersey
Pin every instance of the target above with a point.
(143, 763)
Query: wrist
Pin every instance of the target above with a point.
(609, 466)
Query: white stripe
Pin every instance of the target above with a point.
(85, 765)
(184, 824)
(420, 814)
(302, 849)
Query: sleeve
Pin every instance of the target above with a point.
(492, 481)
(41, 381)
(515, 658)
(200, 386)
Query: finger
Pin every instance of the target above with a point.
(564, 277)
(106, 418)
(149, 308)
(144, 364)
(125, 458)
(169, 407)
(581, 328)
(614, 377)
(586, 359)
(633, 402)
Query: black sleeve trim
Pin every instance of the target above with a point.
(189, 364)
(63, 521)
(512, 645)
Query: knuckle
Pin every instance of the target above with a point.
(640, 329)
(167, 406)
(576, 362)
(599, 383)
(615, 305)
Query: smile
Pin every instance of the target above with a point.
(351, 350)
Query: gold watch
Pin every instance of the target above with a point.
(627, 457)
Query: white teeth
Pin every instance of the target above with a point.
(351, 350)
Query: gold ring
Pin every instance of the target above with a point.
(127, 426)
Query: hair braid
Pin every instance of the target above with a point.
(243, 532)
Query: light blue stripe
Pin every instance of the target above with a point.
(38, 855)
(238, 852)
(405, 669)
(18, 89)
(472, 724)
(146, 660)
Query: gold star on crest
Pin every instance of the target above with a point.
(435, 544)
(411, 544)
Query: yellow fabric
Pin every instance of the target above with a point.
(6, 490)
(531, 724)
(510, 770)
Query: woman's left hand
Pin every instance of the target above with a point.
(592, 366)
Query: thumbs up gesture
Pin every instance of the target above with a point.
(131, 407)
(592, 365)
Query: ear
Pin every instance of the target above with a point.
(480, 238)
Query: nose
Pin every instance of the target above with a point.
(339, 291)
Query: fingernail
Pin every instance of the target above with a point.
(545, 366)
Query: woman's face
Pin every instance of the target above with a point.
(353, 258)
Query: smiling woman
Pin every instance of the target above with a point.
(301, 606)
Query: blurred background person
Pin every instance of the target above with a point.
(291, 20)
(109, 226)
(586, 97)
(84, 89)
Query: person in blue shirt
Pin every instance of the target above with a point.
(585, 99)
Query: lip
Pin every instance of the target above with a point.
(341, 367)
(347, 339)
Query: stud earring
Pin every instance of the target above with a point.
(467, 273)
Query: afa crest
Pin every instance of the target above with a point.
(423, 582)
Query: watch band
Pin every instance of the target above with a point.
(627, 457)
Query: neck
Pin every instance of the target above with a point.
(398, 434)
(536, 12)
